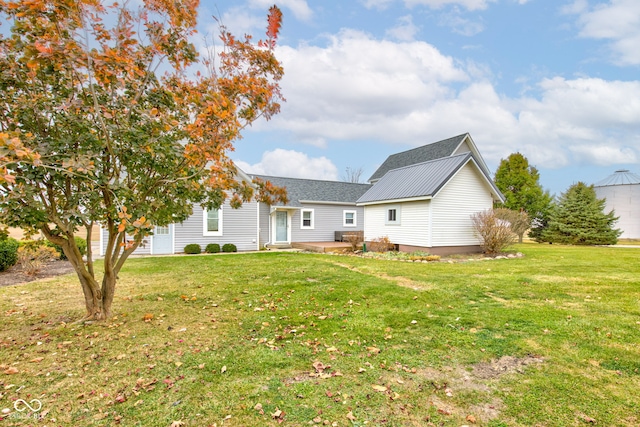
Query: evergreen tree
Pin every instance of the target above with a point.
(579, 219)
(519, 182)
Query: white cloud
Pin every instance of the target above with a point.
(293, 164)
(461, 25)
(360, 88)
(604, 155)
(240, 21)
(376, 4)
(437, 4)
(405, 30)
(299, 8)
(617, 21)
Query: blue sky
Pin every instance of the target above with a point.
(556, 80)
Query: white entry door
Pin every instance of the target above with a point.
(163, 240)
(282, 226)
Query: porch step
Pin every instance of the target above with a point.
(278, 246)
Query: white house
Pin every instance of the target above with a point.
(423, 199)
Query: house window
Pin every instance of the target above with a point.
(212, 222)
(392, 215)
(349, 219)
(162, 230)
(306, 216)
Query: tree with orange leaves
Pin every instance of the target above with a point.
(109, 115)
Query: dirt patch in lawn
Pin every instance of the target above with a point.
(15, 275)
(399, 280)
(448, 382)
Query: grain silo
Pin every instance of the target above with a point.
(622, 193)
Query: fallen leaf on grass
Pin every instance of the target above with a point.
(37, 360)
(331, 349)
(11, 370)
(177, 424)
(588, 419)
(224, 369)
(350, 416)
(471, 419)
(377, 387)
(374, 350)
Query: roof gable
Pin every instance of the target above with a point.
(422, 181)
(446, 148)
(301, 190)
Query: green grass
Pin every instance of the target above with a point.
(547, 340)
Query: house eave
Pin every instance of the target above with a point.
(389, 201)
(318, 202)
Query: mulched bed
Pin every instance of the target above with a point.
(15, 275)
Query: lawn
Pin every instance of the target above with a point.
(551, 339)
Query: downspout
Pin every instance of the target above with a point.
(258, 227)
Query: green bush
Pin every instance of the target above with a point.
(8, 253)
(80, 243)
(212, 248)
(229, 247)
(192, 248)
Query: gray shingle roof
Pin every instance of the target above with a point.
(437, 150)
(312, 190)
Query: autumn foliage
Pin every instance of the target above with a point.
(111, 115)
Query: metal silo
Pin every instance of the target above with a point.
(622, 193)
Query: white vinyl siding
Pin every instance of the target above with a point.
(413, 230)
(264, 220)
(238, 227)
(465, 194)
(327, 219)
(143, 249)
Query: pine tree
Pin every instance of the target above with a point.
(579, 219)
(519, 182)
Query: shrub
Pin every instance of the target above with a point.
(496, 233)
(355, 239)
(381, 244)
(212, 248)
(192, 248)
(80, 243)
(8, 253)
(229, 247)
(33, 255)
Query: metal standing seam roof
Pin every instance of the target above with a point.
(420, 180)
(313, 190)
(619, 177)
(436, 150)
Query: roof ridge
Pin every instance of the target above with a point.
(308, 179)
(455, 156)
(431, 143)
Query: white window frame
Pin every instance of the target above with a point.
(205, 228)
(344, 218)
(307, 227)
(398, 213)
